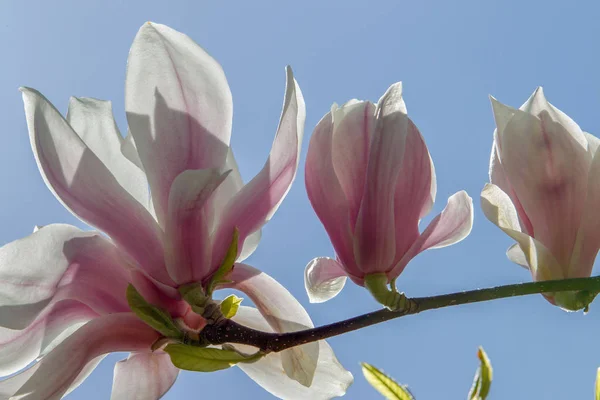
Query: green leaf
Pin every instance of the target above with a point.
(226, 265)
(384, 384)
(230, 306)
(483, 378)
(202, 359)
(598, 385)
(158, 319)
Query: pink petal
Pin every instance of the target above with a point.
(413, 190)
(84, 185)
(548, 170)
(331, 379)
(18, 348)
(256, 203)
(374, 240)
(84, 267)
(353, 126)
(188, 233)
(143, 376)
(451, 226)
(324, 278)
(283, 313)
(326, 194)
(54, 374)
(179, 108)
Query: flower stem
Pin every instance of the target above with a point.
(232, 332)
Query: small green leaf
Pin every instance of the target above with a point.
(226, 265)
(598, 385)
(158, 319)
(230, 306)
(202, 359)
(483, 377)
(384, 384)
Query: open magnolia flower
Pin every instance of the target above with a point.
(544, 193)
(63, 301)
(370, 180)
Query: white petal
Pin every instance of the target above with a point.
(498, 208)
(178, 106)
(331, 379)
(324, 278)
(283, 313)
(516, 255)
(143, 376)
(93, 121)
(537, 104)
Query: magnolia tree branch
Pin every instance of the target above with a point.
(228, 331)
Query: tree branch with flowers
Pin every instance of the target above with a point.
(177, 222)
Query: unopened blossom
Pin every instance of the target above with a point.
(168, 198)
(370, 180)
(544, 193)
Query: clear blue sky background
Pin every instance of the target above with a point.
(450, 56)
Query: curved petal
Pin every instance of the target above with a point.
(83, 266)
(451, 226)
(353, 126)
(516, 255)
(85, 186)
(54, 374)
(178, 106)
(188, 244)
(18, 348)
(498, 208)
(548, 170)
(331, 379)
(256, 203)
(326, 194)
(324, 278)
(93, 121)
(412, 190)
(283, 313)
(374, 235)
(143, 376)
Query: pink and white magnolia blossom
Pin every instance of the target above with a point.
(63, 299)
(544, 193)
(370, 179)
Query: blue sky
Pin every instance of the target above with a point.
(450, 55)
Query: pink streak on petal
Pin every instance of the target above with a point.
(86, 187)
(413, 190)
(326, 194)
(188, 227)
(56, 371)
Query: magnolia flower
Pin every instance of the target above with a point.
(544, 192)
(63, 291)
(370, 180)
